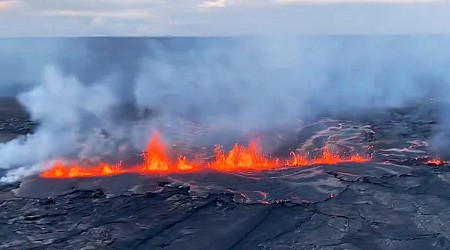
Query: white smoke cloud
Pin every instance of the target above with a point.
(257, 83)
(236, 85)
(66, 110)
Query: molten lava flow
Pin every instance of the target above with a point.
(296, 160)
(241, 157)
(357, 158)
(330, 158)
(184, 165)
(327, 157)
(62, 170)
(435, 162)
(156, 160)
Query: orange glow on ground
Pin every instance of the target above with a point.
(435, 162)
(156, 160)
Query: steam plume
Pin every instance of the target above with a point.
(95, 102)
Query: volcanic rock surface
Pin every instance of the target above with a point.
(399, 200)
(14, 120)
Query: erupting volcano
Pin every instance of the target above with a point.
(156, 160)
(260, 142)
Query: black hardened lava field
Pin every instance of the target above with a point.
(398, 199)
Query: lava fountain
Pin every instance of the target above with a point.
(156, 160)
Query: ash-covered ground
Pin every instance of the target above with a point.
(396, 201)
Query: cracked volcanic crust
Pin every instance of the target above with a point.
(397, 203)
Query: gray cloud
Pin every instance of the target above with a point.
(221, 17)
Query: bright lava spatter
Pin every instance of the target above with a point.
(157, 161)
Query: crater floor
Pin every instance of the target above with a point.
(397, 201)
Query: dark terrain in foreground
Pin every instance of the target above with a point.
(398, 201)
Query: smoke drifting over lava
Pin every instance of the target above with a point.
(99, 99)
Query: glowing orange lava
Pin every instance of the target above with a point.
(155, 156)
(435, 162)
(241, 157)
(326, 158)
(156, 160)
(61, 170)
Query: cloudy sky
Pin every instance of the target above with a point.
(221, 17)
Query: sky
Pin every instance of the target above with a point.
(24, 18)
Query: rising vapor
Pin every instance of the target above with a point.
(101, 98)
